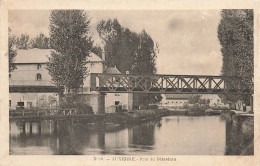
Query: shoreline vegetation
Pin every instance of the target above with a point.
(116, 120)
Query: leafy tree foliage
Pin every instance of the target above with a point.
(144, 63)
(195, 99)
(11, 51)
(235, 33)
(23, 42)
(129, 51)
(120, 44)
(69, 34)
(41, 41)
(97, 50)
(144, 59)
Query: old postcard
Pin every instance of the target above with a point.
(135, 83)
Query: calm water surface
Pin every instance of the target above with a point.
(172, 135)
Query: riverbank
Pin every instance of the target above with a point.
(242, 127)
(114, 121)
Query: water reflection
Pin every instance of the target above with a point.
(173, 135)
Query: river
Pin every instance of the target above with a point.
(171, 135)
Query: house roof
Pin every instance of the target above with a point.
(94, 58)
(34, 55)
(37, 55)
(210, 96)
(178, 96)
(112, 70)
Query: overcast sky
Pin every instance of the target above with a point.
(187, 39)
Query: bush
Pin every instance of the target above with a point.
(72, 101)
(121, 110)
(149, 107)
(84, 108)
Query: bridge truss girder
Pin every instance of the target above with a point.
(189, 84)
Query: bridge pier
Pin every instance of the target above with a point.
(30, 127)
(97, 101)
(24, 131)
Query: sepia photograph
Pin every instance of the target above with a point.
(131, 82)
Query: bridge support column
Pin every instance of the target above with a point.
(30, 127)
(97, 101)
(24, 128)
(130, 101)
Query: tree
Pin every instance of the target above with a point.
(194, 99)
(235, 33)
(23, 42)
(69, 35)
(97, 50)
(41, 41)
(144, 63)
(129, 51)
(120, 44)
(144, 59)
(11, 51)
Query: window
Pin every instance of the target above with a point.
(39, 66)
(117, 102)
(29, 104)
(10, 103)
(20, 104)
(117, 94)
(39, 76)
(10, 76)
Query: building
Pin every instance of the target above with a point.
(95, 99)
(174, 100)
(30, 83)
(31, 86)
(114, 100)
(214, 100)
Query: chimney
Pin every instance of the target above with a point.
(103, 55)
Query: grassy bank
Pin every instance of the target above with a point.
(117, 120)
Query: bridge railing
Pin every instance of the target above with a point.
(124, 83)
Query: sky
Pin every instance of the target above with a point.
(188, 42)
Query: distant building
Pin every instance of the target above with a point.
(174, 100)
(214, 100)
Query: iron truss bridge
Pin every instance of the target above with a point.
(189, 84)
